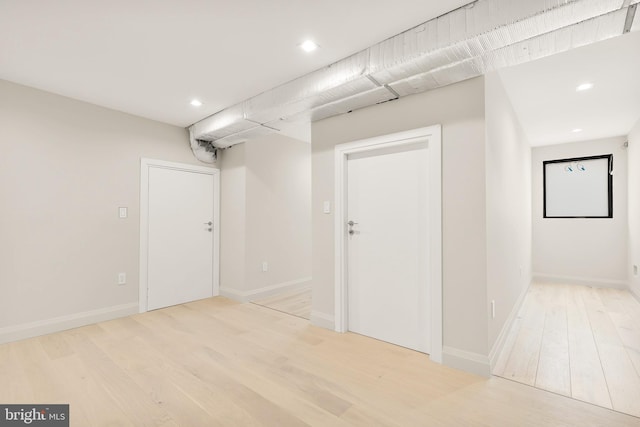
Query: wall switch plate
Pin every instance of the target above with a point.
(493, 309)
(122, 278)
(123, 212)
(265, 266)
(635, 270)
(326, 207)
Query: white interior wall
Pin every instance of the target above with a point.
(65, 168)
(278, 212)
(266, 216)
(582, 250)
(508, 166)
(634, 208)
(460, 110)
(233, 177)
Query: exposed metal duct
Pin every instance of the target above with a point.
(485, 35)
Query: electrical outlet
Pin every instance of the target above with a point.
(265, 266)
(122, 278)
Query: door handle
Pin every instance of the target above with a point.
(208, 223)
(351, 230)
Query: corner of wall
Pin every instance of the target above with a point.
(633, 189)
(499, 344)
(508, 212)
(466, 361)
(323, 320)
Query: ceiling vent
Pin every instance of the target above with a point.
(483, 36)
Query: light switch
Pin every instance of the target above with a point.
(326, 207)
(123, 212)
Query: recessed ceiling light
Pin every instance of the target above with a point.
(576, 130)
(196, 102)
(308, 46)
(584, 86)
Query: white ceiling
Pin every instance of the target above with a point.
(544, 97)
(150, 58)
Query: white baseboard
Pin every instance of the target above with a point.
(466, 361)
(323, 320)
(585, 281)
(233, 294)
(498, 346)
(62, 323)
(265, 291)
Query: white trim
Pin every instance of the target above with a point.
(62, 323)
(433, 134)
(265, 291)
(466, 361)
(498, 346)
(322, 320)
(145, 165)
(233, 294)
(584, 281)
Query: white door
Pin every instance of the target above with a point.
(387, 288)
(180, 237)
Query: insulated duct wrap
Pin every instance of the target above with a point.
(485, 35)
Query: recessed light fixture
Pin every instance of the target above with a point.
(196, 102)
(584, 86)
(308, 46)
(576, 130)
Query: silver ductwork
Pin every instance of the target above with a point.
(483, 36)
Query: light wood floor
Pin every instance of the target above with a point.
(296, 302)
(220, 363)
(577, 341)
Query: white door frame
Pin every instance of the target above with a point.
(433, 136)
(145, 165)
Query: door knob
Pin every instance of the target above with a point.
(208, 223)
(351, 223)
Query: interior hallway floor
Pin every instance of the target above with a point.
(296, 302)
(217, 362)
(577, 341)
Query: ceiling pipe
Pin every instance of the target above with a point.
(464, 43)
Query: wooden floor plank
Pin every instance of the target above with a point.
(629, 332)
(587, 377)
(554, 372)
(216, 362)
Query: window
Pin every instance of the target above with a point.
(581, 187)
